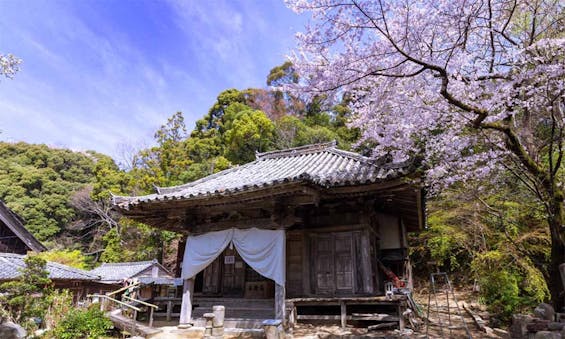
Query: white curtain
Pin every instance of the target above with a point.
(201, 250)
(263, 250)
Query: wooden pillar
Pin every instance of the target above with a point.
(279, 302)
(186, 306)
(169, 310)
(343, 314)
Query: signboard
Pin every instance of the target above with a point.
(229, 260)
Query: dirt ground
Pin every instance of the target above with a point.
(438, 312)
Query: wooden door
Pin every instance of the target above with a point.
(323, 255)
(333, 262)
(212, 274)
(344, 262)
(234, 274)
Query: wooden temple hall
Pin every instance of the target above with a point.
(298, 234)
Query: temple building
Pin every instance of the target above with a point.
(306, 233)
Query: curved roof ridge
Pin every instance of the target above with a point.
(313, 148)
(352, 155)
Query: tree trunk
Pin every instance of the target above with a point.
(557, 229)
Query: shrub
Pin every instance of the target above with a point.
(83, 323)
(508, 283)
(60, 305)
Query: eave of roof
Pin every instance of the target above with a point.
(11, 264)
(13, 222)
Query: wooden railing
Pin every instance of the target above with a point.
(171, 303)
(151, 306)
(135, 309)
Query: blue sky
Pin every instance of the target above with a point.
(99, 74)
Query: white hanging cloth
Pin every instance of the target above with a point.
(201, 250)
(263, 250)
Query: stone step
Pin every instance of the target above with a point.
(250, 313)
(242, 323)
(265, 304)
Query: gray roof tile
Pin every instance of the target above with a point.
(12, 264)
(320, 164)
(122, 270)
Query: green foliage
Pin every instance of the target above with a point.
(497, 235)
(283, 74)
(28, 296)
(508, 284)
(246, 131)
(292, 132)
(114, 250)
(83, 323)
(73, 258)
(36, 182)
(61, 303)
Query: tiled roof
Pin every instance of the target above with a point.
(14, 223)
(12, 264)
(111, 272)
(161, 281)
(320, 164)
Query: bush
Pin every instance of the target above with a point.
(508, 283)
(83, 323)
(61, 304)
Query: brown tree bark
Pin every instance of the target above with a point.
(555, 220)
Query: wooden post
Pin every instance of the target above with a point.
(169, 309)
(279, 302)
(343, 310)
(133, 323)
(401, 324)
(151, 316)
(186, 306)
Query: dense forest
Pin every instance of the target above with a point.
(487, 232)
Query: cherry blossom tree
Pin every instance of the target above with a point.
(472, 86)
(9, 65)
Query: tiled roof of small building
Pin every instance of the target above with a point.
(115, 272)
(321, 164)
(11, 265)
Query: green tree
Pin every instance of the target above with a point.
(28, 296)
(246, 131)
(73, 258)
(36, 182)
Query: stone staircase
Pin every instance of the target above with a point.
(240, 312)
